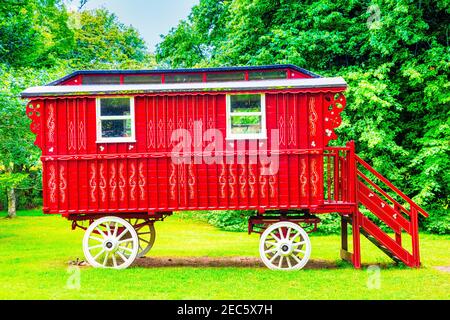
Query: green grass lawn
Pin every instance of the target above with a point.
(35, 250)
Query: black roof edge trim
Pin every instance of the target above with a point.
(150, 71)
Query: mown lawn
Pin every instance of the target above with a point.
(35, 250)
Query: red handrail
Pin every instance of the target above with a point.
(390, 185)
(373, 184)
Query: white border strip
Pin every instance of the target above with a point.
(128, 89)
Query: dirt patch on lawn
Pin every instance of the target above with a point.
(236, 262)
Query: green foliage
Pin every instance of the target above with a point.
(102, 41)
(41, 41)
(394, 54)
(230, 220)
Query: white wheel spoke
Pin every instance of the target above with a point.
(116, 228)
(122, 256)
(124, 232)
(275, 237)
(125, 248)
(101, 232)
(299, 251)
(281, 233)
(108, 229)
(96, 239)
(96, 246)
(288, 234)
(295, 236)
(105, 261)
(125, 241)
(289, 262)
(114, 260)
(274, 257)
(296, 259)
(99, 254)
(271, 250)
(296, 244)
(280, 263)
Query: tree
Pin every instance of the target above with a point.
(394, 54)
(101, 41)
(38, 43)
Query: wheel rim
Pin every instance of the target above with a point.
(285, 246)
(110, 242)
(146, 234)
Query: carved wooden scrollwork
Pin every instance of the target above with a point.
(34, 112)
(334, 105)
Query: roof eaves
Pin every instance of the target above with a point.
(150, 71)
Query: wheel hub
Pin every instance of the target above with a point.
(285, 249)
(110, 245)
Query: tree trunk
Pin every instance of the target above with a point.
(11, 203)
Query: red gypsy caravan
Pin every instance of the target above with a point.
(124, 149)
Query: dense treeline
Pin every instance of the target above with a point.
(394, 54)
(41, 40)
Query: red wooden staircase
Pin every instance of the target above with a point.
(378, 202)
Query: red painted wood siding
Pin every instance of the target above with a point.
(82, 176)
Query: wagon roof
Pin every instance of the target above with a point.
(199, 87)
(192, 70)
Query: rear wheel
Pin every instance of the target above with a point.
(110, 242)
(146, 233)
(285, 246)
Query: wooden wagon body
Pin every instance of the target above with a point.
(146, 143)
(83, 175)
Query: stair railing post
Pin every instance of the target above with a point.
(415, 236)
(353, 193)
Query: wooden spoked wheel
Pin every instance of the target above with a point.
(146, 233)
(285, 246)
(110, 242)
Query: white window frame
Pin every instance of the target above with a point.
(99, 119)
(246, 136)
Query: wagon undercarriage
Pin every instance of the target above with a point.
(116, 241)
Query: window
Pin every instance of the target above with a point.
(89, 80)
(115, 120)
(246, 116)
(229, 76)
(147, 79)
(265, 75)
(177, 78)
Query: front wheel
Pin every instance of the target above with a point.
(285, 246)
(110, 242)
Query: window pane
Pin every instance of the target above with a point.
(115, 107)
(230, 76)
(176, 78)
(101, 79)
(245, 124)
(245, 103)
(258, 75)
(142, 79)
(116, 128)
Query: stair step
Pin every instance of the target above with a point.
(388, 245)
(380, 246)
